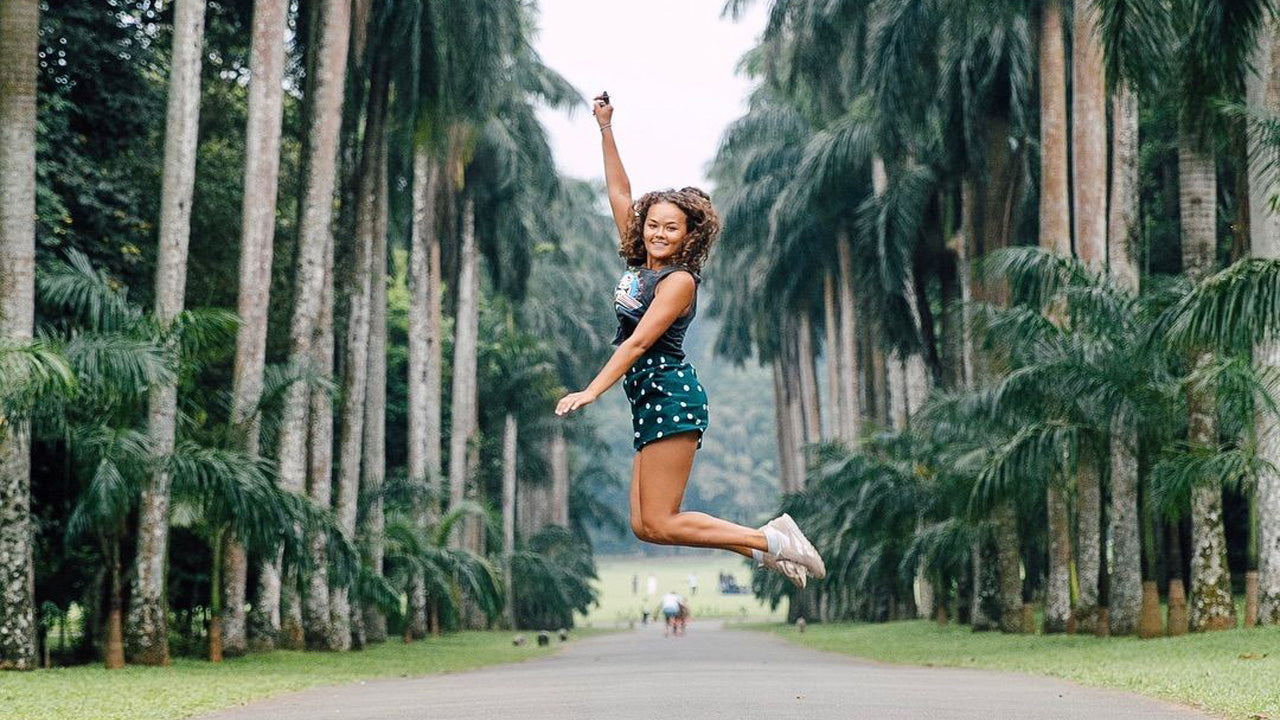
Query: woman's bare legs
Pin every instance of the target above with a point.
(658, 479)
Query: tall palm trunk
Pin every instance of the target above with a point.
(424, 357)
(1089, 137)
(850, 407)
(1055, 236)
(897, 370)
(509, 512)
(324, 121)
(355, 376)
(258, 225)
(1125, 522)
(1264, 224)
(1089, 165)
(466, 330)
(1125, 588)
(19, 30)
(316, 624)
(795, 421)
(833, 429)
(1088, 541)
(559, 477)
(1010, 558)
(375, 414)
(783, 430)
(808, 379)
(1211, 605)
(147, 627)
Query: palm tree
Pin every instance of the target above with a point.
(1131, 36)
(1264, 226)
(1055, 236)
(1089, 188)
(1217, 40)
(147, 626)
(19, 29)
(261, 172)
(325, 92)
(427, 553)
(374, 456)
(355, 364)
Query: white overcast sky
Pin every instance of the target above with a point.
(669, 68)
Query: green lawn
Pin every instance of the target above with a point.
(618, 605)
(189, 687)
(1235, 673)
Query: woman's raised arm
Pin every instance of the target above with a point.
(614, 175)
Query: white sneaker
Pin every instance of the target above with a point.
(797, 547)
(791, 571)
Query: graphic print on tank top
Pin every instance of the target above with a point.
(627, 294)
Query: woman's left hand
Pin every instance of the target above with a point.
(573, 401)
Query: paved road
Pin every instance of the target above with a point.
(710, 673)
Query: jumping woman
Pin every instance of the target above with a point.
(665, 237)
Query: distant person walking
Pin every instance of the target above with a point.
(693, 583)
(651, 587)
(635, 582)
(665, 238)
(670, 613)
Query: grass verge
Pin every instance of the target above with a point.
(1234, 673)
(189, 687)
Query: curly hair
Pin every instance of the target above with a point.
(701, 223)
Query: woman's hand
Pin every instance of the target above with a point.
(602, 109)
(574, 401)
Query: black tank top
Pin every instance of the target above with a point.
(632, 297)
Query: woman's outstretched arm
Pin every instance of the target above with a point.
(614, 175)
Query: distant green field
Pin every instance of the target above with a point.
(618, 605)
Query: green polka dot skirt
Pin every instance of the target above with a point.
(666, 399)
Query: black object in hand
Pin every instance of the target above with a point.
(605, 96)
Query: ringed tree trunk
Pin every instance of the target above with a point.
(466, 330)
(1124, 596)
(1127, 594)
(1089, 165)
(1089, 137)
(782, 428)
(1211, 605)
(850, 407)
(509, 512)
(355, 376)
(1088, 541)
(1264, 224)
(1057, 611)
(559, 477)
(113, 650)
(1055, 236)
(257, 236)
(19, 30)
(147, 627)
(324, 121)
(317, 626)
(1010, 559)
(375, 414)
(830, 350)
(424, 358)
(808, 379)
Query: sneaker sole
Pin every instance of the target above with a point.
(808, 554)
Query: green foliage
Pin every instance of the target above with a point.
(552, 577)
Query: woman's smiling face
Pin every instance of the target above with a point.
(665, 231)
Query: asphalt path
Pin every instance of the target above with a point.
(711, 672)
